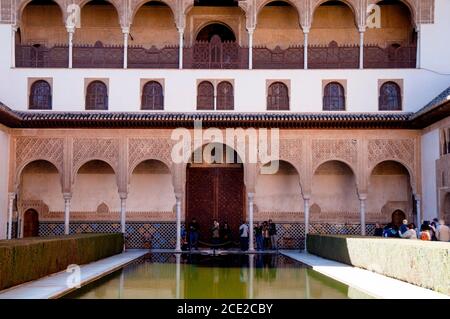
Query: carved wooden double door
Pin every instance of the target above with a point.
(215, 193)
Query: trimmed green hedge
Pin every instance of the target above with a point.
(423, 263)
(22, 260)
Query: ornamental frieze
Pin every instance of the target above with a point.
(380, 150)
(29, 149)
(86, 149)
(331, 149)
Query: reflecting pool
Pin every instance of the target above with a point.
(192, 276)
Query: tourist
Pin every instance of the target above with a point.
(410, 233)
(403, 228)
(259, 237)
(433, 228)
(425, 229)
(193, 234)
(215, 233)
(225, 233)
(273, 234)
(243, 234)
(390, 231)
(184, 241)
(443, 231)
(378, 230)
(266, 235)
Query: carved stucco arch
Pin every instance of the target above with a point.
(410, 4)
(296, 4)
(412, 176)
(291, 163)
(76, 168)
(22, 166)
(136, 5)
(352, 4)
(354, 171)
(117, 4)
(23, 4)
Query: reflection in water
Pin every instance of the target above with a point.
(193, 276)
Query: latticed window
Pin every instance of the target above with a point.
(334, 97)
(205, 96)
(40, 96)
(277, 97)
(97, 96)
(390, 97)
(152, 96)
(225, 96)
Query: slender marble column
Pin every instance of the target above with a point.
(123, 212)
(362, 212)
(361, 48)
(180, 47)
(251, 246)
(11, 197)
(71, 31)
(67, 198)
(306, 209)
(305, 48)
(250, 48)
(178, 216)
(126, 33)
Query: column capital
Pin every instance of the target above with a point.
(362, 29)
(417, 197)
(178, 196)
(123, 195)
(306, 30)
(126, 30)
(70, 28)
(180, 30)
(67, 196)
(306, 196)
(11, 196)
(362, 196)
(15, 27)
(251, 195)
(250, 30)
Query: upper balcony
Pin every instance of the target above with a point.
(214, 37)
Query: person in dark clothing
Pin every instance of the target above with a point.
(259, 237)
(390, 231)
(378, 230)
(193, 234)
(215, 233)
(226, 234)
(273, 234)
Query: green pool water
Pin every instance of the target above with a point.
(166, 275)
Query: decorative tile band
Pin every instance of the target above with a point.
(162, 235)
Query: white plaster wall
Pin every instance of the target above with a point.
(37, 184)
(430, 153)
(4, 161)
(151, 193)
(435, 49)
(334, 193)
(387, 188)
(91, 190)
(278, 193)
(420, 86)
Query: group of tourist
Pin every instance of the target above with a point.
(221, 236)
(265, 235)
(434, 231)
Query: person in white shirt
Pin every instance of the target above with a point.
(443, 231)
(243, 233)
(410, 233)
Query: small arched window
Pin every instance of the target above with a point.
(334, 97)
(277, 97)
(205, 96)
(152, 96)
(40, 96)
(97, 96)
(225, 96)
(390, 97)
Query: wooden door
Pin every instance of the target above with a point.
(215, 193)
(30, 223)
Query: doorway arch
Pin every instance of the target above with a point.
(215, 190)
(224, 32)
(31, 223)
